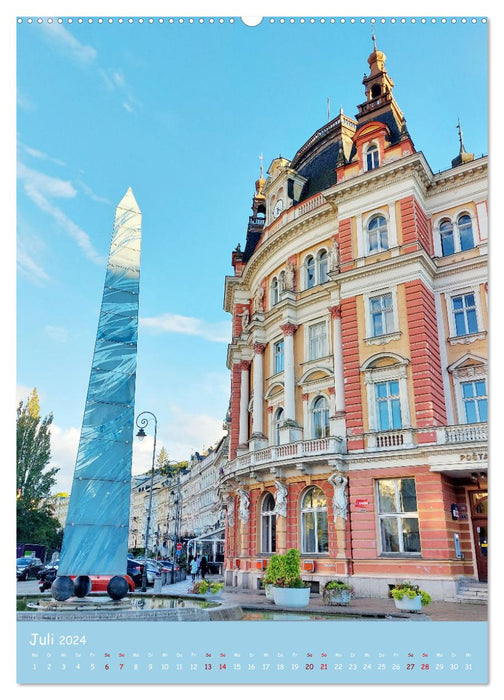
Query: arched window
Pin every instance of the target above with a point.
(372, 158)
(446, 233)
(464, 224)
(310, 272)
(322, 267)
(320, 417)
(314, 533)
(456, 237)
(274, 291)
(377, 234)
(268, 524)
(277, 423)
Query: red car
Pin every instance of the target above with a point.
(99, 583)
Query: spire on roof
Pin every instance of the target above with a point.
(463, 156)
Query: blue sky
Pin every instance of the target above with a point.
(181, 113)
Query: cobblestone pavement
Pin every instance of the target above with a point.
(256, 600)
(438, 611)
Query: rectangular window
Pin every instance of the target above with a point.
(279, 356)
(388, 406)
(474, 397)
(382, 316)
(464, 312)
(398, 516)
(317, 341)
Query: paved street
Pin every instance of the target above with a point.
(256, 600)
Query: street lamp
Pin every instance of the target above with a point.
(141, 423)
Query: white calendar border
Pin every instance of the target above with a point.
(190, 8)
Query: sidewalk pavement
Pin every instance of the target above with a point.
(379, 607)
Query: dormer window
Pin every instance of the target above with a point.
(372, 158)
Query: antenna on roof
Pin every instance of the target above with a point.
(328, 109)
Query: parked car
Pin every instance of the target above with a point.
(27, 567)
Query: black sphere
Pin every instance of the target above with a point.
(62, 588)
(117, 587)
(82, 586)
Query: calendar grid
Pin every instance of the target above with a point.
(219, 653)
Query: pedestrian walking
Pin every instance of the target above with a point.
(203, 566)
(194, 569)
(198, 562)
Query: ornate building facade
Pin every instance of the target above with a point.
(358, 361)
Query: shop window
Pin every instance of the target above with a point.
(314, 531)
(398, 516)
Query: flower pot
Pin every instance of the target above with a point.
(291, 597)
(335, 597)
(409, 604)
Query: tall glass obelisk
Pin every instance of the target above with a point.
(96, 532)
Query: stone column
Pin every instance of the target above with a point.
(339, 427)
(244, 402)
(290, 431)
(258, 438)
(288, 330)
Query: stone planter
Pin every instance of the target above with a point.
(335, 597)
(291, 597)
(409, 604)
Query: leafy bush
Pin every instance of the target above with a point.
(410, 591)
(284, 570)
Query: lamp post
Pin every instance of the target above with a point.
(142, 423)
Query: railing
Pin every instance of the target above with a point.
(390, 439)
(294, 213)
(293, 450)
(474, 432)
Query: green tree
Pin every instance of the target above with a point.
(34, 480)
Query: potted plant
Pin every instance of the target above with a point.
(273, 573)
(409, 597)
(337, 592)
(289, 589)
(208, 588)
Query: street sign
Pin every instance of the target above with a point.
(179, 546)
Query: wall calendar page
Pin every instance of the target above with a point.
(253, 311)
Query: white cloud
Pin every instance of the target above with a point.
(64, 446)
(57, 333)
(40, 155)
(23, 392)
(187, 325)
(65, 41)
(28, 267)
(87, 56)
(45, 185)
(41, 188)
(180, 433)
(92, 195)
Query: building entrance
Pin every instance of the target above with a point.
(479, 517)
